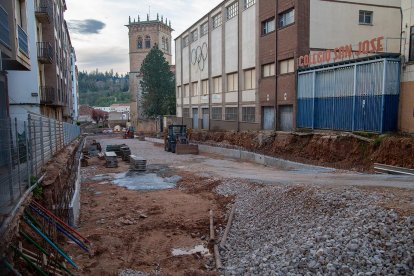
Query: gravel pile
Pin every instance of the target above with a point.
(313, 230)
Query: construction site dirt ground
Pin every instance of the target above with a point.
(136, 228)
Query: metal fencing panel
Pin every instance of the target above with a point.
(361, 96)
(25, 147)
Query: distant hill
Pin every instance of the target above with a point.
(103, 88)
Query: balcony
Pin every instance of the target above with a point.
(49, 96)
(23, 41)
(4, 28)
(44, 13)
(45, 52)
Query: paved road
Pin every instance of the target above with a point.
(220, 167)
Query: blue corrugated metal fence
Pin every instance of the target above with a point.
(362, 96)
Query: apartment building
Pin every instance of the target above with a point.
(43, 50)
(406, 116)
(55, 77)
(236, 68)
(14, 47)
(75, 85)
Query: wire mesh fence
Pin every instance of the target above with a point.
(25, 147)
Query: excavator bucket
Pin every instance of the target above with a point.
(186, 149)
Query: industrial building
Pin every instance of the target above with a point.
(238, 67)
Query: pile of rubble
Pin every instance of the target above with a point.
(315, 230)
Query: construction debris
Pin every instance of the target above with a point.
(111, 159)
(125, 153)
(137, 163)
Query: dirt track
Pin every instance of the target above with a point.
(139, 229)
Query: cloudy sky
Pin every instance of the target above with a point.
(98, 29)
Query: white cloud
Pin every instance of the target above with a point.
(109, 48)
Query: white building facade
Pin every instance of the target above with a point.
(24, 85)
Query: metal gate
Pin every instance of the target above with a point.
(195, 118)
(206, 116)
(286, 117)
(269, 118)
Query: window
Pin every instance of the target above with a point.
(185, 41)
(186, 112)
(250, 79)
(232, 10)
(178, 92)
(232, 82)
(365, 17)
(231, 113)
(286, 18)
(204, 29)
(216, 113)
(287, 66)
(204, 87)
(186, 90)
(218, 85)
(411, 57)
(194, 36)
(167, 45)
(268, 26)
(249, 114)
(147, 42)
(217, 20)
(194, 87)
(249, 3)
(139, 43)
(163, 43)
(268, 70)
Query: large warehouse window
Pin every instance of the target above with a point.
(194, 88)
(204, 87)
(185, 41)
(249, 3)
(186, 90)
(412, 44)
(250, 79)
(365, 17)
(216, 113)
(268, 26)
(194, 36)
(232, 82)
(218, 85)
(286, 18)
(287, 66)
(204, 29)
(268, 70)
(178, 92)
(217, 20)
(233, 10)
(231, 113)
(249, 114)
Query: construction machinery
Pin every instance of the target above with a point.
(129, 133)
(176, 140)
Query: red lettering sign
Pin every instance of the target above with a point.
(365, 47)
